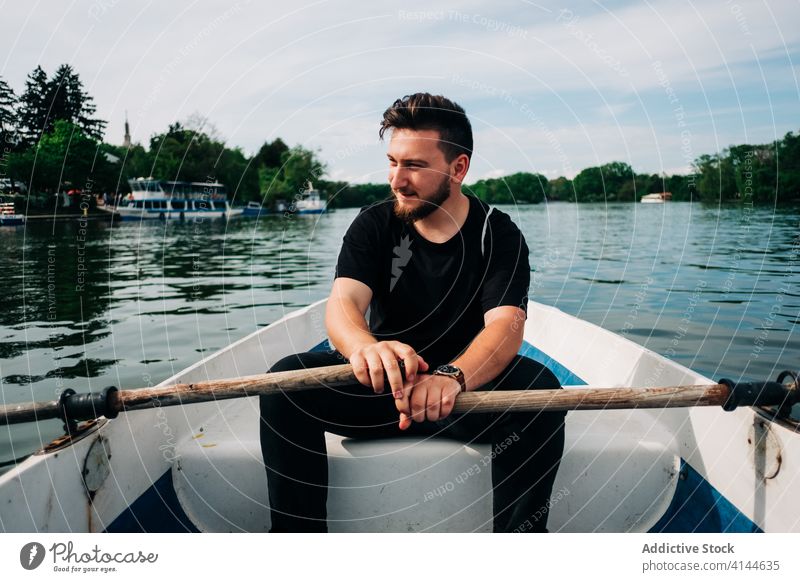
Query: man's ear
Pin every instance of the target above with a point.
(460, 166)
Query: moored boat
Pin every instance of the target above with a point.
(9, 216)
(309, 202)
(254, 209)
(161, 199)
(656, 197)
(198, 467)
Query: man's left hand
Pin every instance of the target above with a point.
(432, 397)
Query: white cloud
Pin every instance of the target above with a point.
(320, 73)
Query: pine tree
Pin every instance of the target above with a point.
(33, 107)
(8, 115)
(70, 102)
(60, 97)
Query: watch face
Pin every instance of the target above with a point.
(448, 369)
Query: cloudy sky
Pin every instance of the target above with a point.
(549, 87)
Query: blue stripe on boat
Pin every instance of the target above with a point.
(696, 506)
(156, 511)
(564, 375)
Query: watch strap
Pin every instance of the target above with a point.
(458, 376)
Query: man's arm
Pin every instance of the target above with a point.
(344, 315)
(494, 347)
(371, 359)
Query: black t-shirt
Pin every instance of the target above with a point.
(433, 296)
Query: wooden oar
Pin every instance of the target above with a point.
(73, 407)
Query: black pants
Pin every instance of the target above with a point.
(293, 443)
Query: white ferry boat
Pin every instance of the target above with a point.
(161, 199)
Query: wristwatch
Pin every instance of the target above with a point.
(453, 372)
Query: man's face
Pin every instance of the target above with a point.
(419, 174)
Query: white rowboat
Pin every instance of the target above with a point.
(199, 467)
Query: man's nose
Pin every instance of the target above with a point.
(397, 178)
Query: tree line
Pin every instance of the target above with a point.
(760, 174)
(52, 141)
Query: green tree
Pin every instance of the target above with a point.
(717, 181)
(183, 154)
(518, 188)
(619, 180)
(64, 158)
(682, 187)
(67, 156)
(527, 188)
(269, 155)
(589, 185)
(239, 174)
(607, 183)
(483, 189)
(789, 165)
(193, 156)
(647, 183)
(298, 167)
(70, 102)
(755, 172)
(561, 189)
(344, 195)
(136, 162)
(8, 116)
(34, 107)
(45, 101)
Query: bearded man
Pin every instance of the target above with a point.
(445, 278)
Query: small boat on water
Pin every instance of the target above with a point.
(161, 199)
(9, 216)
(198, 467)
(656, 198)
(309, 202)
(254, 209)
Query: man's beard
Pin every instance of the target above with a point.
(428, 205)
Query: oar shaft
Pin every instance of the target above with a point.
(110, 402)
(592, 399)
(28, 412)
(518, 400)
(245, 386)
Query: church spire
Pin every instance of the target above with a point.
(126, 142)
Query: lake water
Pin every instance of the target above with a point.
(93, 304)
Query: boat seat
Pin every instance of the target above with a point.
(618, 474)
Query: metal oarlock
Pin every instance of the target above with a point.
(762, 393)
(75, 407)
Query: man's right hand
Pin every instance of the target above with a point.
(372, 361)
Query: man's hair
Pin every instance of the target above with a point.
(425, 111)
